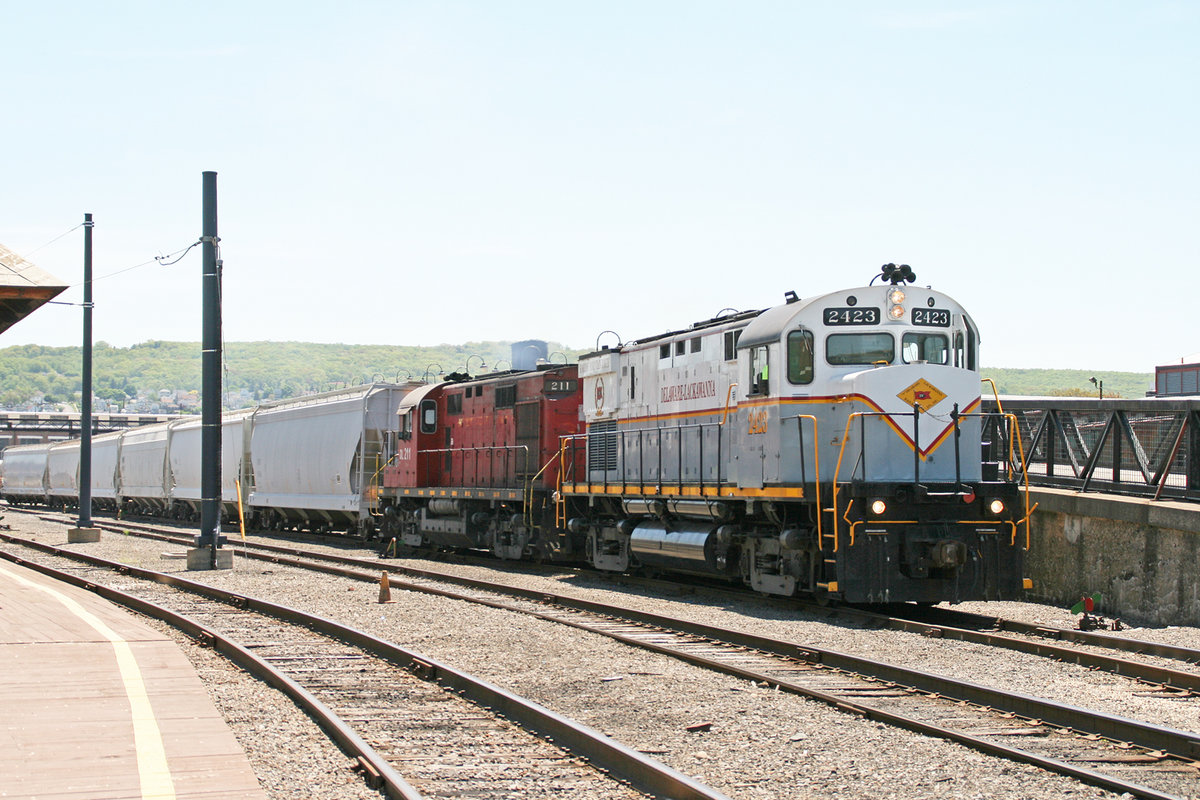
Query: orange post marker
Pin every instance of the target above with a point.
(385, 589)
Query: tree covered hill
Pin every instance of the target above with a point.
(255, 371)
(1069, 382)
(167, 374)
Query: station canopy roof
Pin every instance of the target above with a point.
(23, 288)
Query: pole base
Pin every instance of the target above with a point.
(199, 558)
(77, 535)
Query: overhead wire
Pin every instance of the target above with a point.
(52, 241)
(160, 260)
(168, 260)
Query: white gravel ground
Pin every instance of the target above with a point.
(762, 744)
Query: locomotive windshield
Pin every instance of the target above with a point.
(930, 348)
(859, 348)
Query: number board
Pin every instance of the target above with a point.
(560, 385)
(851, 316)
(932, 317)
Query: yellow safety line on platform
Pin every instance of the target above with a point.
(151, 754)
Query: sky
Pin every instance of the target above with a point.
(418, 173)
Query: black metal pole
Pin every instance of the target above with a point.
(210, 393)
(85, 405)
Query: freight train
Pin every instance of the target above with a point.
(833, 446)
(306, 463)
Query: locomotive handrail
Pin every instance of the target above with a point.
(861, 415)
(816, 461)
(529, 487)
(995, 393)
(728, 398)
(657, 436)
(1012, 418)
(837, 471)
(376, 483)
(476, 450)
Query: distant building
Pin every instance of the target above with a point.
(1178, 380)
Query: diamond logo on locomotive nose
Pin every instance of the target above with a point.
(923, 394)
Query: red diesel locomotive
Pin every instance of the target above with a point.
(476, 464)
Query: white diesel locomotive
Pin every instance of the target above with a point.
(833, 445)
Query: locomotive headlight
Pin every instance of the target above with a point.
(878, 507)
(896, 312)
(896, 296)
(996, 506)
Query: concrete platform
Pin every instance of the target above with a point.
(96, 705)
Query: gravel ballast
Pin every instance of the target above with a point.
(761, 744)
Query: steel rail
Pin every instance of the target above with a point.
(1137, 646)
(624, 763)
(378, 773)
(921, 621)
(1180, 744)
(915, 620)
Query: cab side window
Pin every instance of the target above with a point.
(759, 378)
(800, 357)
(428, 416)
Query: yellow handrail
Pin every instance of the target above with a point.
(529, 487)
(728, 397)
(560, 502)
(838, 471)
(995, 393)
(375, 477)
(1024, 471)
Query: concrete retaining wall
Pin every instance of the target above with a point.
(1142, 556)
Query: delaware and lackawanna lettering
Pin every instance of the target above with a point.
(687, 391)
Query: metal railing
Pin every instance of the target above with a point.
(1000, 449)
(498, 469)
(1003, 459)
(653, 457)
(1145, 448)
(669, 458)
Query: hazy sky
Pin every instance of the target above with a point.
(425, 172)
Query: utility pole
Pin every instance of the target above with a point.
(210, 537)
(83, 531)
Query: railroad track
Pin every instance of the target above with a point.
(1122, 755)
(938, 623)
(416, 727)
